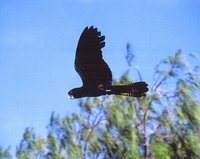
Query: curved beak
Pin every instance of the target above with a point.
(70, 96)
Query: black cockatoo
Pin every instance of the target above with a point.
(95, 72)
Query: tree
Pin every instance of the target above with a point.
(5, 154)
(164, 124)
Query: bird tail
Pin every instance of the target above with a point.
(137, 89)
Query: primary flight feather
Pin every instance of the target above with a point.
(95, 72)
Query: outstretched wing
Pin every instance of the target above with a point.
(89, 62)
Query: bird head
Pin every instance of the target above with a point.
(76, 93)
(71, 94)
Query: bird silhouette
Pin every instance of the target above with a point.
(95, 72)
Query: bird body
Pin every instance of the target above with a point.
(95, 72)
(134, 89)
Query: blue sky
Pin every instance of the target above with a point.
(38, 41)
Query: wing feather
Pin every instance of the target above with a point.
(89, 62)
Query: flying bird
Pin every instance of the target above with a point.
(95, 72)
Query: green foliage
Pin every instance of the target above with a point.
(5, 154)
(30, 146)
(163, 125)
(160, 150)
